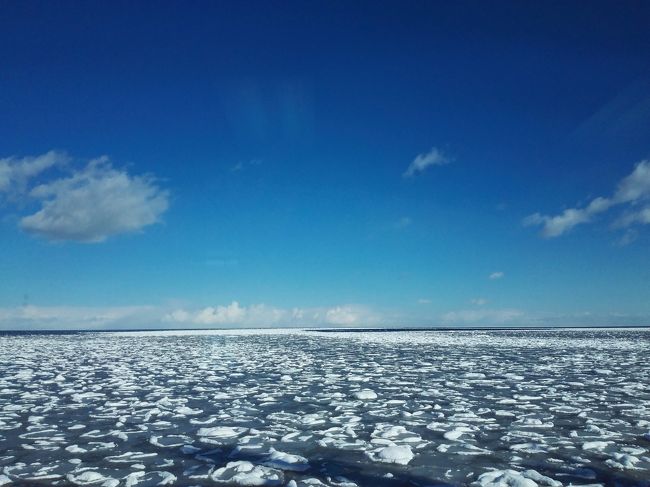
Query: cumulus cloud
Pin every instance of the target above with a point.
(95, 203)
(221, 316)
(496, 275)
(632, 192)
(482, 316)
(423, 161)
(85, 202)
(234, 314)
(344, 315)
(17, 172)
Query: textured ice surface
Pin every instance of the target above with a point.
(310, 408)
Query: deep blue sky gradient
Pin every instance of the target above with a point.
(539, 105)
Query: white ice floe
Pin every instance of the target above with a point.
(595, 445)
(185, 411)
(221, 432)
(91, 477)
(286, 461)
(623, 461)
(457, 432)
(401, 455)
(157, 477)
(365, 394)
(504, 478)
(130, 457)
(219, 435)
(246, 474)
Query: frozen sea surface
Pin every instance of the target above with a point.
(306, 408)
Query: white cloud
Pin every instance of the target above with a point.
(343, 315)
(424, 301)
(77, 317)
(263, 315)
(641, 216)
(496, 275)
(95, 203)
(634, 186)
(423, 161)
(479, 301)
(16, 172)
(553, 226)
(483, 316)
(631, 191)
(233, 313)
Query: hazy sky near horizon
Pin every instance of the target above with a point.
(192, 164)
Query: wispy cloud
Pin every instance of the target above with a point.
(479, 301)
(632, 194)
(88, 204)
(424, 161)
(496, 275)
(77, 317)
(241, 165)
(403, 222)
(17, 172)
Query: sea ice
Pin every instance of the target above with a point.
(401, 455)
(286, 461)
(504, 478)
(246, 474)
(365, 394)
(267, 407)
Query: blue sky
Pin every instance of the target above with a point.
(193, 164)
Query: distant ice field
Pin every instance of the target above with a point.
(300, 408)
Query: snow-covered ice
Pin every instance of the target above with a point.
(313, 408)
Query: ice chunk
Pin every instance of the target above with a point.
(595, 445)
(457, 433)
(246, 474)
(365, 394)
(221, 432)
(541, 479)
(286, 461)
(504, 478)
(400, 454)
(91, 477)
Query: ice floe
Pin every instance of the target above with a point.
(311, 408)
(246, 473)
